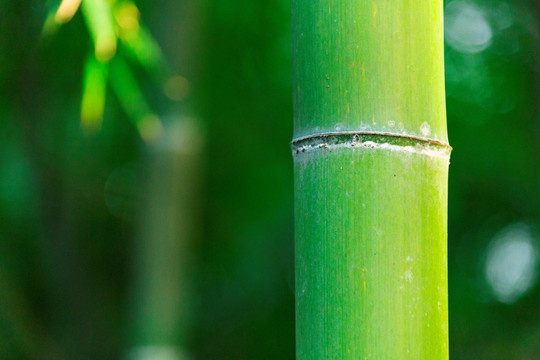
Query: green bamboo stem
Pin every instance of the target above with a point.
(161, 306)
(371, 168)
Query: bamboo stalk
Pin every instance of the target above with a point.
(161, 307)
(371, 166)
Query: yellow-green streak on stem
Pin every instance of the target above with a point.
(371, 170)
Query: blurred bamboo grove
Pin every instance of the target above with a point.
(146, 179)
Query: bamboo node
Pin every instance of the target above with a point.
(371, 140)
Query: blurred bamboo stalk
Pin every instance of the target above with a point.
(163, 300)
(161, 304)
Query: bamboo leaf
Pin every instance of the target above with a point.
(138, 41)
(50, 25)
(143, 47)
(66, 10)
(94, 94)
(99, 19)
(132, 100)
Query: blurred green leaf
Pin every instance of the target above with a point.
(132, 100)
(66, 10)
(50, 26)
(99, 19)
(144, 48)
(94, 93)
(138, 41)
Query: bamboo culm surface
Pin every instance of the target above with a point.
(371, 159)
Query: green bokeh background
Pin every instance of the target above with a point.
(67, 258)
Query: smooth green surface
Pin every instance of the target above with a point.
(369, 65)
(370, 216)
(371, 278)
